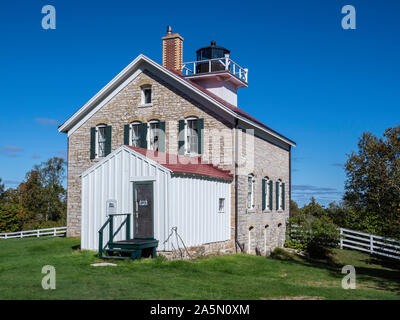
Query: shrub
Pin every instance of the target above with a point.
(315, 235)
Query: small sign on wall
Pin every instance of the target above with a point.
(143, 203)
(111, 207)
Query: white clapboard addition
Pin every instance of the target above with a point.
(369, 243)
(189, 203)
(48, 232)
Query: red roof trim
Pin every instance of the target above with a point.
(184, 164)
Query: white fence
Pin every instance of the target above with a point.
(369, 243)
(49, 232)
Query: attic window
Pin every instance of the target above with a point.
(192, 135)
(101, 141)
(146, 95)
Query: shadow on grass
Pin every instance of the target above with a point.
(380, 273)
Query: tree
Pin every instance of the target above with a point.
(373, 183)
(9, 221)
(2, 190)
(42, 195)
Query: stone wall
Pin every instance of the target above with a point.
(170, 105)
(266, 228)
(207, 249)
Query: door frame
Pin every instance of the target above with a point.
(134, 183)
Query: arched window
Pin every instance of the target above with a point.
(101, 140)
(153, 136)
(250, 239)
(191, 135)
(134, 133)
(280, 195)
(266, 194)
(250, 194)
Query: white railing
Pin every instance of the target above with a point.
(50, 232)
(369, 243)
(189, 68)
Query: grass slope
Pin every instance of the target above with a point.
(223, 277)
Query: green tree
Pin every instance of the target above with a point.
(9, 221)
(373, 183)
(42, 196)
(2, 190)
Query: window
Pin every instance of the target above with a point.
(250, 195)
(192, 136)
(280, 195)
(266, 196)
(135, 134)
(154, 127)
(221, 205)
(101, 141)
(146, 95)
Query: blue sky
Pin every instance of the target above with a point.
(309, 79)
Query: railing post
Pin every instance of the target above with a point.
(371, 243)
(341, 238)
(246, 74)
(209, 65)
(100, 244)
(226, 62)
(111, 229)
(194, 67)
(128, 227)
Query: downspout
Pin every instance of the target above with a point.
(237, 244)
(290, 178)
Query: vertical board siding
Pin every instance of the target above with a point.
(194, 210)
(188, 203)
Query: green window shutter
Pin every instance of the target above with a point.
(108, 140)
(181, 137)
(126, 134)
(283, 196)
(200, 127)
(263, 194)
(161, 137)
(277, 195)
(92, 143)
(143, 135)
(270, 194)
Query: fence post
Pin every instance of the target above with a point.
(54, 232)
(341, 238)
(5, 236)
(38, 233)
(371, 243)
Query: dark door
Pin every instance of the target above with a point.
(143, 207)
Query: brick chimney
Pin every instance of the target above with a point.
(172, 50)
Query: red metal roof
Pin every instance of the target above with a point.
(184, 164)
(228, 105)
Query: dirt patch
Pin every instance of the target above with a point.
(293, 298)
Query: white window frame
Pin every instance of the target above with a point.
(219, 205)
(134, 123)
(143, 96)
(97, 141)
(149, 133)
(187, 143)
(267, 193)
(251, 193)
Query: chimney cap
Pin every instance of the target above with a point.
(213, 43)
(169, 29)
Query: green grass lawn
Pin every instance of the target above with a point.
(223, 277)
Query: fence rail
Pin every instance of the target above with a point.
(370, 243)
(361, 241)
(49, 232)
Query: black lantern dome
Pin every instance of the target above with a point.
(210, 52)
